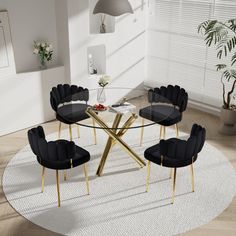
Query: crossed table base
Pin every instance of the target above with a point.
(115, 136)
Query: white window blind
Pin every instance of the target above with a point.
(176, 53)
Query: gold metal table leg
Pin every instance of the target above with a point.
(115, 137)
(125, 127)
(94, 132)
(108, 145)
(104, 157)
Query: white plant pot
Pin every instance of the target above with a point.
(228, 119)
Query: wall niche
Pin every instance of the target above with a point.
(96, 59)
(100, 23)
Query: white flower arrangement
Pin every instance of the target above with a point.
(104, 80)
(44, 50)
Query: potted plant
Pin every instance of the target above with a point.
(223, 36)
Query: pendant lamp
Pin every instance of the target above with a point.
(113, 7)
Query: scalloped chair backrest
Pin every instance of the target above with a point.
(200, 133)
(182, 149)
(195, 142)
(171, 94)
(67, 93)
(33, 136)
(51, 151)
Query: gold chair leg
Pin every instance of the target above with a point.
(192, 175)
(78, 131)
(142, 131)
(59, 130)
(174, 184)
(58, 188)
(148, 175)
(160, 132)
(43, 178)
(86, 178)
(70, 130)
(177, 130)
(65, 175)
(94, 132)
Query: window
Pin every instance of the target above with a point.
(177, 54)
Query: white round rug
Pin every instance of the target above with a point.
(118, 204)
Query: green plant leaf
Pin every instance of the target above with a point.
(233, 59)
(232, 24)
(219, 54)
(202, 27)
(229, 74)
(220, 66)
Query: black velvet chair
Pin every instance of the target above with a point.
(57, 155)
(61, 98)
(173, 102)
(176, 153)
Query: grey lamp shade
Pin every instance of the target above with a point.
(113, 7)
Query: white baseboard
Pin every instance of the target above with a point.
(204, 107)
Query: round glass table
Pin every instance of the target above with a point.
(115, 110)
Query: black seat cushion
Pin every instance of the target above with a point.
(58, 155)
(72, 113)
(161, 114)
(153, 154)
(80, 157)
(175, 152)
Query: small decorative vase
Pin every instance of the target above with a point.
(101, 96)
(43, 64)
(102, 28)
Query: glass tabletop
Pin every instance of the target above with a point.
(109, 102)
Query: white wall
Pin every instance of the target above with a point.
(30, 20)
(25, 96)
(125, 48)
(63, 36)
(65, 23)
(25, 99)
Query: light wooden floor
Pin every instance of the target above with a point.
(11, 223)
